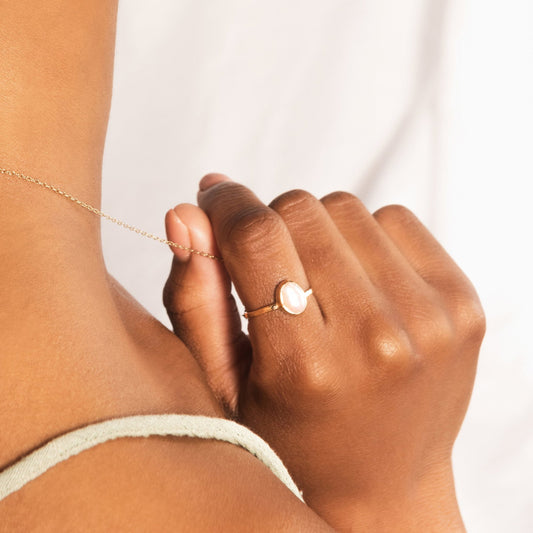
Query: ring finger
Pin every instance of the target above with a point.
(259, 254)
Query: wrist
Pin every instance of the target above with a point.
(428, 505)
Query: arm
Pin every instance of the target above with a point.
(56, 60)
(159, 484)
(56, 69)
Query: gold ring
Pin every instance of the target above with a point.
(289, 296)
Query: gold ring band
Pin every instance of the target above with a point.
(289, 296)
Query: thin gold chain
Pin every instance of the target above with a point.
(108, 217)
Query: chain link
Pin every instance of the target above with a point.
(108, 217)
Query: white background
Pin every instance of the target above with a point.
(425, 103)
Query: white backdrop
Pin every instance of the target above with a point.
(425, 103)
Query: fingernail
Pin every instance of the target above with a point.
(176, 217)
(183, 237)
(212, 179)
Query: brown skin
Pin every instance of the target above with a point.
(75, 347)
(364, 393)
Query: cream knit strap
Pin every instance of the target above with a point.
(61, 448)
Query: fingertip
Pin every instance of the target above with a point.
(200, 230)
(212, 179)
(177, 232)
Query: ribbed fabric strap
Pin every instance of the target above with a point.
(61, 448)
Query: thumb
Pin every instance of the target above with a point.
(201, 308)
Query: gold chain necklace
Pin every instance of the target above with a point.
(108, 217)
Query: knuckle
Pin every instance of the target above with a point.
(390, 348)
(470, 319)
(173, 288)
(214, 175)
(168, 295)
(316, 377)
(292, 200)
(349, 213)
(435, 332)
(250, 228)
(394, 214)
(301, 371)
(302, 367)
(341, 199)
(178, 297)
(345, 204)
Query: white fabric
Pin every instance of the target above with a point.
(61, 448)
(422, 103)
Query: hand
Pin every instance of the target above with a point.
(363, 394)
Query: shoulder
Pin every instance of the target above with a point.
(154, 483)
(158, 484)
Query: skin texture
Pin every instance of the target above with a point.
(75, 347)
(364, 393)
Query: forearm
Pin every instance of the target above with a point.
(56, 71)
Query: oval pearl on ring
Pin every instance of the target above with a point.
(289, 296)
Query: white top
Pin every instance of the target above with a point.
(61, 448)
